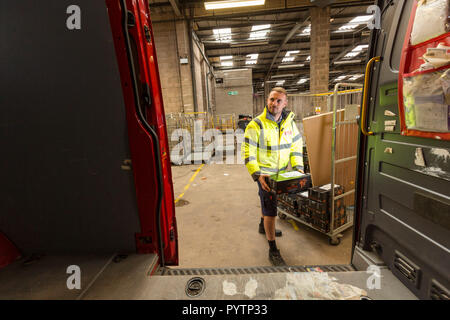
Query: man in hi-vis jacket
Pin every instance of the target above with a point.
(271, 140)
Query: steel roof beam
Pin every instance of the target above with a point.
(275, 22)
(278, 11)
(176, 7)
(288, 36)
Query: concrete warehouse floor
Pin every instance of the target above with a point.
(218, 225)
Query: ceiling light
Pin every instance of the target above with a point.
(260, 27)
(222, 31)
(308, 58)
(356, 77)
(250, 61)
(288, 53)
(361, 47)
(259, 34)
(233, 70)
(226, 58)
(352, 54)
(340, 78)
(222, 34)
(306, 31)
(354, 23)
(280, 82)
(291, 65)
(360, 19)
(288, 59)
(248, 43)
(347, 61)
(346, 27)
(212, 5)
(301, 81)
(282, 75)
(253, 56)
(227, 64)
(356, 51)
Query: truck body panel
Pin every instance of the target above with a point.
(86, 176)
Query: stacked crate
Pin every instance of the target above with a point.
(320, 207)
(314, 206)
(303, 207)
(288, 202)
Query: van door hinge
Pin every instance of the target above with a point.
(126, 164)
(148, 37)
(131, 21)
(144, 243)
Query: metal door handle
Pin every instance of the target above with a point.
(364, 104)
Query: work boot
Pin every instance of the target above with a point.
(276, 259)
(278, 233)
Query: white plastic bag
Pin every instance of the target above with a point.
(425, 101)
(431, 20)
(316, 286)
(437, 57)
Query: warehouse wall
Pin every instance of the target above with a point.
(172, 43)
(235, 94)
(165, 41)
(320, 53)
(212, 93)
(200, 76)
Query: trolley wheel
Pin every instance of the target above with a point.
(282, 216)
(334, 241)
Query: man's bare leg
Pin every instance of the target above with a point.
(276, 232)
(269, 226)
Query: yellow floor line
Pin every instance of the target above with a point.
(294, 224)
(190, 181)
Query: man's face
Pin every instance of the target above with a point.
(276, 102)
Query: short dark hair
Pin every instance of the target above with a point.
(279, 90)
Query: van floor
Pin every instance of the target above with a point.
(218, 211)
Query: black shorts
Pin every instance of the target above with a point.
(268, 202)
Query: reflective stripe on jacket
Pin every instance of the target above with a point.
(268, 148)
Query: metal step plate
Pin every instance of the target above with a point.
(251, 270)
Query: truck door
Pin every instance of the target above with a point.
(85, 166)
(404, 197)
(136, 55)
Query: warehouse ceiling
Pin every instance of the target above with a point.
(274, 39)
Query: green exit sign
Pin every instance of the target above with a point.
(232, 93)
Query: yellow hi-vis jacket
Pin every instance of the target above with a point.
(267, 147)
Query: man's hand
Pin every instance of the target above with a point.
(262, 180)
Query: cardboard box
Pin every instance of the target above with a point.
(289, 182)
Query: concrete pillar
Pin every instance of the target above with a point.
(182, 36)
(171, 41)
(320, 54)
